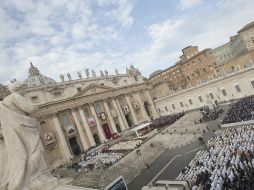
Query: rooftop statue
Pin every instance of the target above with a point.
(102, 74)
(13, 80)
(93, 74)
(69, 76)
(87, 73)
(106, 73)
(21, 158)
(62, 77)
(79, 75)
(127, 71)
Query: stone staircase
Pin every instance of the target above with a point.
(128, 167)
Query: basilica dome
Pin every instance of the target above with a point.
(36, 79)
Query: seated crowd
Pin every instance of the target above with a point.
(228, 164)
(166, 120)
(240, 111)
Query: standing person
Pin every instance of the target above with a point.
(207, 128)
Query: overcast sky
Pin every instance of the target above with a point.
(61, 36)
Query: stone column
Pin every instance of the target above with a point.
(64, 149)
(121, 117)
(111, 120)
(98, 125)
(153, 109)
(142, 109)
(87, 128)
(80, 130)
(132, 110)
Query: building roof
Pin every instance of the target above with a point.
(155, 73)
(187, 60)
(36, 79)
(247, 26)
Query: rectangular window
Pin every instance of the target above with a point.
(57, 94)
(173, 106)
(252, 83)
(98, 109)
(211, 95)
(190, 101)
(200, 98)
(166, 108)
(224, 92)
(238, 89)
(159, 110)
(79, 89)
(181, 104)
(65, 120)
(87, 112)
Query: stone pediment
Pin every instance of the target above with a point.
(93, 89)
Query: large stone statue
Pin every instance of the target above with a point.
(21, 156)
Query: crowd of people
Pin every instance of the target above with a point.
(242, 110)
(85, 163)
(210, 114)
(228, 164)
(166, 120)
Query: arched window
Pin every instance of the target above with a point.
(43, 125)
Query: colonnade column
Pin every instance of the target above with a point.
(64, 149)
(153, 109)
(87, 128)
(121, 117)
(111, 120)
(98, 125)
(80, 130)
(132, 110)
(142, 109)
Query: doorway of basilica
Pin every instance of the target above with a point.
(107, 131)
(128, 119)
(96, 139)
(75, 148)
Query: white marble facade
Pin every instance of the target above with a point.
(76, 115)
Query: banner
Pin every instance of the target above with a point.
(91, 121)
